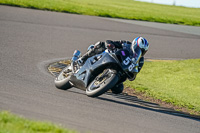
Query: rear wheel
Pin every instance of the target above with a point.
(117, 89)
(102, 83)
(62, 81)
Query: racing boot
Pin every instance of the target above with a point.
(98, 48)
(88, 54)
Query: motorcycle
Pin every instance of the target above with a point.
(99, 73)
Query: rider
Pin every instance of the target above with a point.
(134, 48)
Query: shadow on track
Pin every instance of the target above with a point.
(133, 101)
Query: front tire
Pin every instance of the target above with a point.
(62, 81)
(102, 83)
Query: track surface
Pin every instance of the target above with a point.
(30, 39)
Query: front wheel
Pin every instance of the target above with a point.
(62, 81)
(102, 83)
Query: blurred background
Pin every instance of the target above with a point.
(185, 3)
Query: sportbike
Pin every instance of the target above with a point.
(99, 73)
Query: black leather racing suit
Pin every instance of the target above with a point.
(100, 47)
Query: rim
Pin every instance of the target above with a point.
(64, 74)
(100, 80)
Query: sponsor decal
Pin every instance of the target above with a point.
(123, 53)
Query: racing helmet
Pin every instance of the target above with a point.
(140, 43)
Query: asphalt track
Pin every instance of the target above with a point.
(31, 39)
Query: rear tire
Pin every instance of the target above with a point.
(117, 89)
(99, 86)
(62, 81)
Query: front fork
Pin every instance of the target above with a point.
(74, 65)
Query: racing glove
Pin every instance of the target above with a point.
(110, 45)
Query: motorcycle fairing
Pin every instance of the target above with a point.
(92, 66)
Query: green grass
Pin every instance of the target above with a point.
(10, 123)
(127, 9)
(176, 82)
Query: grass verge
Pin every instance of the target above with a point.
(10, 123)
(175, 82)
(127, 9)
